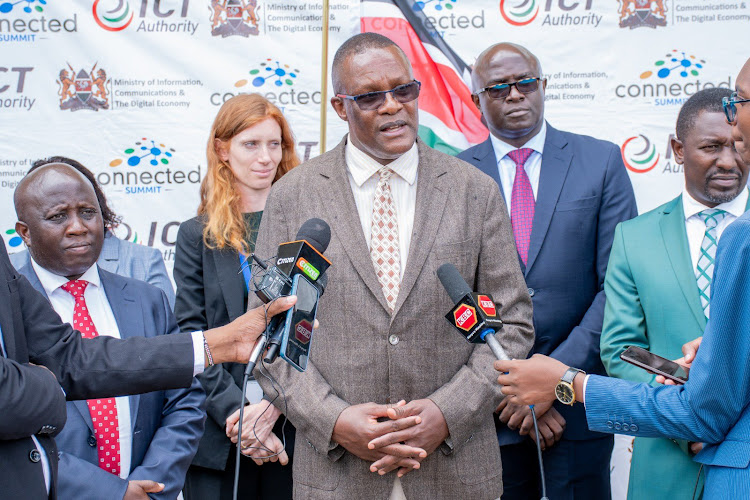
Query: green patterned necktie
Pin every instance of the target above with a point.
(704, 271)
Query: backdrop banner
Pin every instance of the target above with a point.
(130, 87)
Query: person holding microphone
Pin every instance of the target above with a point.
(250, 147)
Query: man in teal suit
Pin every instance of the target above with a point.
(653, 296)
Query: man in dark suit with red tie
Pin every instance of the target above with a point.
(565, 193)
(43, 361)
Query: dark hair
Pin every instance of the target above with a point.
(111, 219)
(704, 100)
(356, 45)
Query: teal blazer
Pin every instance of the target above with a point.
(652, 302)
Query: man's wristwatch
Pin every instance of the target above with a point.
(564, 389)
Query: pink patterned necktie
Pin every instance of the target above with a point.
(521, 203)
(103, 411)
(384, 249)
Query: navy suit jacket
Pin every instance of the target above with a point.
(713, 407)
(165, 425)
(584, 192)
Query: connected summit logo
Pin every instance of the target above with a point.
(115, 19)
(671, 80)
(159, 175)
(639, 154)
(522, 13)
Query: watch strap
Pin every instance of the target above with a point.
(570, 374)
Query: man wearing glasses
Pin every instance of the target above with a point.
(398, 210)
(713, 406)
(565, 194)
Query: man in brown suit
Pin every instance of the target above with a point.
(397, 210)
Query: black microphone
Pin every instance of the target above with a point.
(302, 256)
(474, 315)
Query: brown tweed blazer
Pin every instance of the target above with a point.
(460, 218)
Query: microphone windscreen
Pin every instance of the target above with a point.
(453, 282)
(316, 232)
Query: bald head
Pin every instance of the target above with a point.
(29, 190)
(500, 50)
(59, 219)
(513, 114)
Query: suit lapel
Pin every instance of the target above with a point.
(343, 218)
(433, 185)
(555, 164)
(227, 263)
(675, 241)
(484, 154)
(129, 317)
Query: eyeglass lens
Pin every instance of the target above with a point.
(402, 93)
(526, 86)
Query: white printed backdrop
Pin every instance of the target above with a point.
(130, 87)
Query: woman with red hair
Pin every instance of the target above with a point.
(249, 148)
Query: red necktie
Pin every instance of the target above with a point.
(521, 203)
(103, 411)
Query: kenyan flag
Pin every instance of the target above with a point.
(448, 119)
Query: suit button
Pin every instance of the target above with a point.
(633, 428)
(393, 339)
(618, 426)
(609, 424)
(625, 427)
(91, 441)
(531, 292)
(35, 456)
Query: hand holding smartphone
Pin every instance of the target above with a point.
(655, 364)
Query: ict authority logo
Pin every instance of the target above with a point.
(234, 18)
(639, 154)
(642, 14)
(116, 18)
(81, 89)
(519, 12)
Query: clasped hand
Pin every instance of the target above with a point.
(392, 437)
(258, 442)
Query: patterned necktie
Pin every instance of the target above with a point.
(103, 411)
(704, 271)
(384, 239)
(521, 203)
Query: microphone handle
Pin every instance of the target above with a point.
(255, 355)
(497, 349)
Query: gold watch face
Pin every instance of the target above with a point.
(564, 393)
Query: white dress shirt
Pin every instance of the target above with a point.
(363, 179)
(696, 227)
(507, 167)
(106, 325)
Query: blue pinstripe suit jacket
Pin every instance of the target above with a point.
(714, 405)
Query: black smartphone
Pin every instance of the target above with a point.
(655, 364)
(298, 328)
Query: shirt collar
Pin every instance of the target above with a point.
(536, 143)
(736, 207)
(51, 282)
(362, 166)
